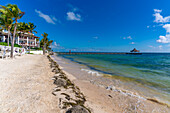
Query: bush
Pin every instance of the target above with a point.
(3, 43)
(6, 44)
(36, 48)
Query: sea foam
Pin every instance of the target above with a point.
(91, 72)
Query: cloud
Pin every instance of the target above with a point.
(96, 37)
(47, 18)
(167, 28)
(132, 43)
(160, 47)
(129, 37)
(156, 47)
(147, 26)
(56, 45)
(151, 46)
(159, 18)
(73, 16)
(73, 9)
(157, 10)
(166, 38)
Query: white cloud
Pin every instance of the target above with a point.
(96, 37)
(159, 18)
(132, 43)
(46, 17)
(54, 19)
(56, 45)
(160, 47)
(156, 47)
(147, 26)
(157, 10)
(73, 9)
(151, 46)
(166, 38)
(73, 16)
(129, 37)
(167, 28)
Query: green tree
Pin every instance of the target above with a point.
(5, 21)
(31, 30)
(16, 14)
(45, 43)
(22, 28)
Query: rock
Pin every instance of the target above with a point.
(110, 96)
(60, 82)
(110, 88)
(77, 109)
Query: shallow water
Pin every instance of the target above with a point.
(152, 71)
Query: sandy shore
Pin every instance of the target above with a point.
(108, 100)
(26, 85)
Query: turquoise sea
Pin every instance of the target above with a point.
(151, 70)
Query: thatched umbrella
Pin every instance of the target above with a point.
(134, 50)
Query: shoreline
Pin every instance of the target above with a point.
(114, 89)
(147, 93)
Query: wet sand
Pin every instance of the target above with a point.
(103, 96)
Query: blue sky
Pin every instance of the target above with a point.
(101, 25)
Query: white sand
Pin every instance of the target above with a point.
(26, 85)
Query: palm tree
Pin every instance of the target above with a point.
(45, 43)
(6, 21)
(22, 28)
(31, 30)
(16, 14)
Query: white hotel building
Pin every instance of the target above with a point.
(25, 41)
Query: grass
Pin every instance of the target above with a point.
(30, 53)
(6, 44)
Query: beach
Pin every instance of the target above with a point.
(27, 87)
(104, 96)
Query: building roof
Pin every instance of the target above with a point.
(26, 34)
(134, 50)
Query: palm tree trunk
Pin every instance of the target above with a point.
(8, 36)
(44, 50)
(30, 46)
(13, 41)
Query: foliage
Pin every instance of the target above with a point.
(32, 27)
(5, 44)
(36, 48)
(16, 14)
(45, 42)
(5, 19)
(22, 28)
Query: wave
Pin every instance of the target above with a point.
(92, 72)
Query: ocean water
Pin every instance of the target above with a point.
(152, 71)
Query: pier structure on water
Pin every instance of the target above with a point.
(133, 52)
(79, 53)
